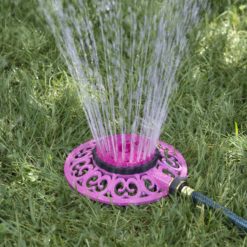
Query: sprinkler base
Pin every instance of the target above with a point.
(84, 175)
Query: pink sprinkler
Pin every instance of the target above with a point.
(119, 175)
(124, 60)
(95, 173)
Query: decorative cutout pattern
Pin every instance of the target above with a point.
(88, 179)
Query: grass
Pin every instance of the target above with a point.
(41, 121)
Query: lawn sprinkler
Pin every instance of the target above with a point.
(124, 60)
(95, 174)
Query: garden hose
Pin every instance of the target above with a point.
(179, 185)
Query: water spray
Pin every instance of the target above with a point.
(126, 163)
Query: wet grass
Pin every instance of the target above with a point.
(41, 121)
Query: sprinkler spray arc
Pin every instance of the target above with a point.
(132, 167)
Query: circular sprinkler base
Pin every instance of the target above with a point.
(84, 175)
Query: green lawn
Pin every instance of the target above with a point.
(41, 120)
